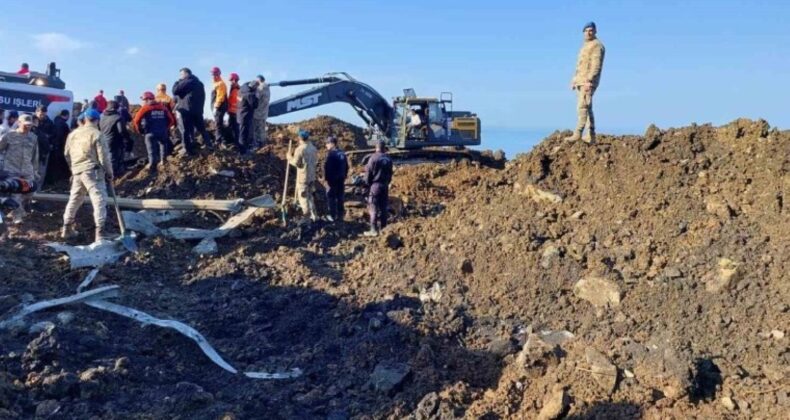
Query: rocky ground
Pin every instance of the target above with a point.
(643, 277)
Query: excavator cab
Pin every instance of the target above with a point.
(438, 124)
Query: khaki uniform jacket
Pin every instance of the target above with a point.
(305, 158)
(590, 63)
(21, 154)
(86, 150)
(264, 95)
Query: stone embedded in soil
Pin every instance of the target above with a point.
(65, 317)
(388, 376)
(728, 403)
(207, 246)
(601, 292)
(665, 369)
(466, 266)
(550, 254)
(603, 371)
(47, 408)
(536, 194)
(726, 274)
(555, 405)
(393, 241)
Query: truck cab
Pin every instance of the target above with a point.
(23, 93)
(438, 125)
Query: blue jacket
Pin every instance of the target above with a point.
(336, 167)
(379, 169)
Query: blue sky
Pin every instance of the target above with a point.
(670, 62)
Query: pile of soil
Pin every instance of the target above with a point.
(643, 276)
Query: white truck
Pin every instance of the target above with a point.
(23, 93)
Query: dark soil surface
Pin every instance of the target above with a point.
(642, 277)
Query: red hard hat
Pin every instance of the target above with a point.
(215, 71)
(148, 96)
(234, 76)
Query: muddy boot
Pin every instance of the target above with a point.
(18, 215)
(101, 234)
(68, 232)
(589, 138)
(576, 136)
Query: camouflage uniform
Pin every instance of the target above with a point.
(588, 70)
(21, 158)
(261, 113)
(88, 156)
(305, 158)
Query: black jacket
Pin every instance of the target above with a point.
(191, 95)
(58, 142)
(113, 128)
(336, 167)
(379, 169)
(249, 101)
(44, 131)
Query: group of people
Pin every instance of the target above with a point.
(166, 120)
(92, 147)
(378, 175)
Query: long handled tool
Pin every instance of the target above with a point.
(284, 208)
(126, 239)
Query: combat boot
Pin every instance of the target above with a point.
(576, 136)
(68, 232)
(589, 138)
(101, 234)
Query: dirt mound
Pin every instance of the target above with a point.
(681, 237)
(644, 276)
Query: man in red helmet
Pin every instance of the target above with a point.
(154, 120)
(233, 106)
(219, 102)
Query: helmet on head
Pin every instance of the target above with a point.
(215, 71)
(148, 96)
(234, 77)
(304, 134)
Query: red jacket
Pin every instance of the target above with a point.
(156, 119)
(101, 103)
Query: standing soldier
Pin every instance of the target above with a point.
(262, 112)
(20, 158)
(305, 158)
(89, 158)
(248, 103)
(219, 101)
(335, 173)
(378, 174)
(154, 121)
(233, 107)
(585, 82)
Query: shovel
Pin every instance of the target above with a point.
(126, 239)
(284, 208)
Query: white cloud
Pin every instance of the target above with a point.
(54, 42)
(132, 51)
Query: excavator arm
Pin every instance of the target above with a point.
(369, 104)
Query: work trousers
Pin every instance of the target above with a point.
(157, 146)
(305, 193)
(335, 199)
(584, 108)
(92, 184)
(378, 200)
(260, 130)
